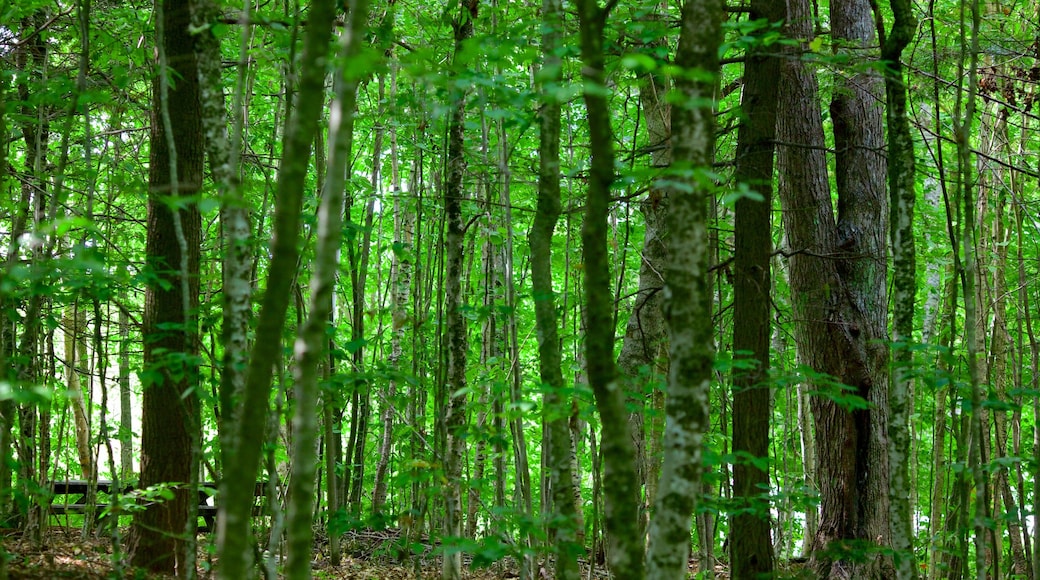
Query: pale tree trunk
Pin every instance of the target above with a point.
(751, 548)
(643, 360)
(75, 324)
(311, 338)
(687, 292)
(902, 194)
(224, 154)
(242, 464)
(455, 323)
(556, 405)
(400, 296)
(620, 476)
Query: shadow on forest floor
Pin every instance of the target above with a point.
(65, 555)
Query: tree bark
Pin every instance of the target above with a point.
(620, 478)
(902, 194)
(311, 339)
(243, 461)
(455, 324)
(556, 406)
(687, 290)
(750, 542)
(169, 407)
(838, 283)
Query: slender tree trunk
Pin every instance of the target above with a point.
(224, 154)
(621, 484)
(400, 296)
(126, 433)
(902, 194)
(243, 461)
(643, 360)
(750, 543)
(311, 339)
(455, 325)
(556, 406)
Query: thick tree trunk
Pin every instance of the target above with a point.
(169, 408)
(687, 292)
(838, 281)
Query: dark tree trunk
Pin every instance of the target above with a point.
(169, 405)
(838, 281)
(455, 324)
(751, 544)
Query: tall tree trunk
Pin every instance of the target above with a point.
(621, 484)
(243, 461)
(643, 360)
(455, 324)
(400, 296)
(311, 339)
(902, 194)
(169, 407)
(837, 281)
(751, 546)
(687, 291)
(224, 154)
(556, 407)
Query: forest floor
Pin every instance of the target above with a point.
(64, 554)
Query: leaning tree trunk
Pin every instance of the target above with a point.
(242, 462)
(687, 291)
(311, 339)
(621, 485)
(751, 546)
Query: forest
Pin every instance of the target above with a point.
(571, 288)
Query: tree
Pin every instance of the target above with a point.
(837, 278)
(243, 460)
(169, 410)
(901, 182)
(456, 343)
(687, 298)
(751, 545)
(557, 406)
(620, 478)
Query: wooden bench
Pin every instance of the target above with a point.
(75, 493)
